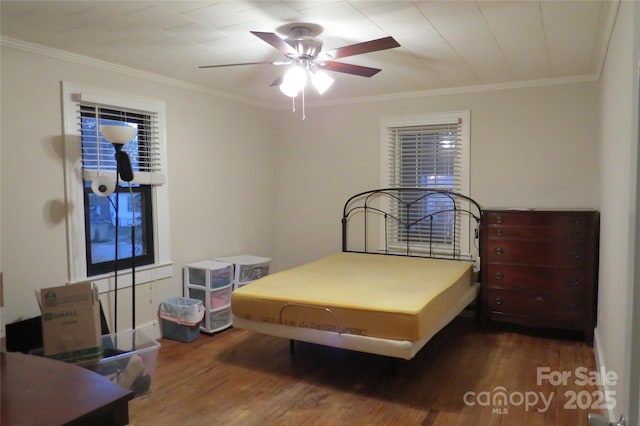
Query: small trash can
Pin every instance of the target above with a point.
(181, 317)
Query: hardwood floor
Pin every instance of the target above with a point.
(238, 377)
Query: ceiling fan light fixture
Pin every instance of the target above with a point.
(289, 90)
(303, 50)
(294, 81)
(321, 81)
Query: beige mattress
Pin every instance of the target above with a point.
(390, 297)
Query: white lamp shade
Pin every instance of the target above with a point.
(321, 81)
(118, 135)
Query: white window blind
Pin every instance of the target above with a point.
(425, 156)
(427, 153)
(98, 154)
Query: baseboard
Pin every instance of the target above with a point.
(601, 366)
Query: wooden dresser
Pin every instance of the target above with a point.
(540, 268)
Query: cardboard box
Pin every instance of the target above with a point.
(71, 323)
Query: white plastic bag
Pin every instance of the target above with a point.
(182, 310)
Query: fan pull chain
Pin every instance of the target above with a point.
(303, 112)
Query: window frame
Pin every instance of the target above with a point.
(72, 95)
(430, 119)
(99, 268)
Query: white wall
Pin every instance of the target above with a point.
(220, 167)
(533, 147)
(618, 192)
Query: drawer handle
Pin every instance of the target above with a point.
(499, 232)
(573, 281)
(498, 219)
(499, 250)
(539, 299)
(575, 221)
(499, 275)
(499, 300)
(574, 235)
(574, 254)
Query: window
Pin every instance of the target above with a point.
(130, 220)
(134, 222)
(119, 223)
(427, 151)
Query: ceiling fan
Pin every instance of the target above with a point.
(304, 50)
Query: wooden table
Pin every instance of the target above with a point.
(44, 392)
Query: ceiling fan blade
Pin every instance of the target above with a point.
(238, 64)
(247, 63)
(349, 68)
(278, 81)
(364, 47)
(276, 42)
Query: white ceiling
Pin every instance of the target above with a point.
(445, 45)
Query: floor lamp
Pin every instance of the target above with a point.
(119, 136)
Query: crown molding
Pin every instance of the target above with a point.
(121, 69)
(586, 78)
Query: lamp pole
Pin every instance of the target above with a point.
(116, 263)
(120, 135)
(125, 171)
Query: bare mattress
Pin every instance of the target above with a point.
(388, 297)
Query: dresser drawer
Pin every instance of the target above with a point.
(542, 304)
(536, 278)
(537, 253)
(577, 233)
(574, 220)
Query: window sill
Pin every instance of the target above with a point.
(143, 274)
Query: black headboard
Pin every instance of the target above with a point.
(424, 222)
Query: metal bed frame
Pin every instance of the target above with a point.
(408, 201)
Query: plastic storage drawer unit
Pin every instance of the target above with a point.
(247, 268)
(210, 282)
